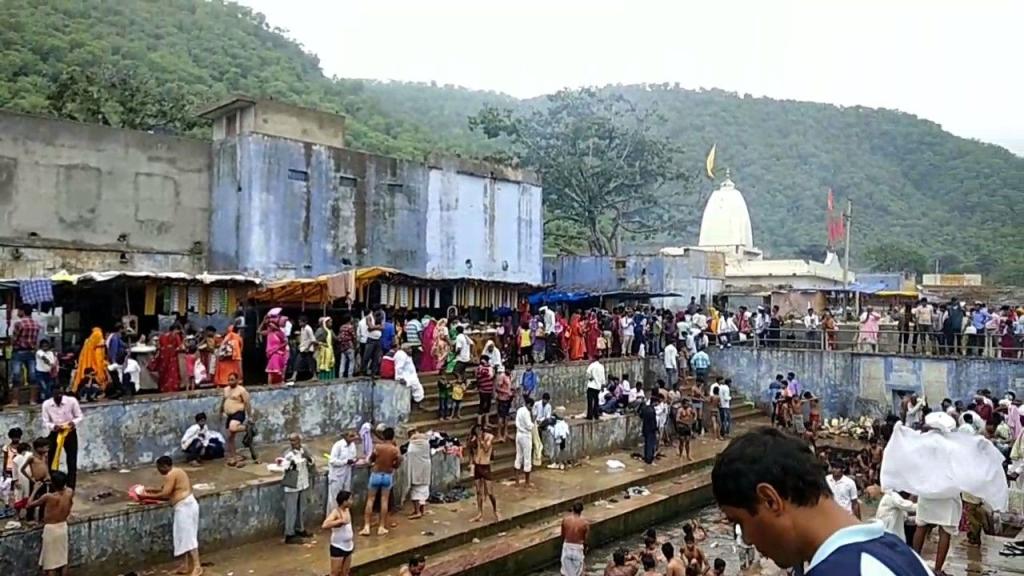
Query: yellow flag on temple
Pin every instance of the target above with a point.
(710, 163)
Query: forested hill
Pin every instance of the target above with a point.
(916, 189)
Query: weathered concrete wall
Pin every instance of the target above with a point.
(483, 227)
(853, 383)
(289, 209)
(688, 275)
(86, 184)
(140, 430)
(109, 543)
(567, 381)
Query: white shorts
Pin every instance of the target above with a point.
(419, 493)
(944, 513)
(524, 452)
(186, 525)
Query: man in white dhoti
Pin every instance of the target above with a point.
(339, 472)
(938, 465)
(177, 489)
(56, 506)
(405, 373)
(524, 440)
(892, 511)
(417, 460)
(575, 530)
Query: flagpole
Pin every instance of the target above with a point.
(848, 219)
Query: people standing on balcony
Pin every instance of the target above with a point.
(953, 327)
(775, 328)
(591, 331)
(276, 345)
(373, 350)
(830, 328)
(1007, 333)
(923, 313)
(867, 338)
(811, 325)
(94, 356)
(976, 335)
(577, 348)
(905, 325)
(229, 356)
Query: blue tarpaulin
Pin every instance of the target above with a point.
(558, 297)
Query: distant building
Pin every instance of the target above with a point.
(726, 229)
(276, 195)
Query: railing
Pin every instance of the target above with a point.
(888, 340)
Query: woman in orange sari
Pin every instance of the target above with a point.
(93, 355)
(576, 347)
(229, 358)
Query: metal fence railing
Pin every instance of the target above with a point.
(888, 340)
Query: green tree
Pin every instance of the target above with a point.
(894, 257)
(602, 165)
(120, 98)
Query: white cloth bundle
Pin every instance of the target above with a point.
(939, 465)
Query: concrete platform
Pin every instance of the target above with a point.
(244, 505)
(447, 538)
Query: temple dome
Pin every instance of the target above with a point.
(726, 221)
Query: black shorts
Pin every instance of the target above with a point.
(683, 430)
(460, 368)
(239, 416)
(481, 471)
(504, 408)
(339, 553)
(485, 402)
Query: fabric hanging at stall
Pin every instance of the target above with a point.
(192, 297)
(403, 301)
(149, 302)
(36, 291)
(229, 298)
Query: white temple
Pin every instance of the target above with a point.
(725, 228)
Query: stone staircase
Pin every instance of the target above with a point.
(504, 454)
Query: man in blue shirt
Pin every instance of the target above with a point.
(701, 363)
(979, 319)
(529, 382)
(772, 485)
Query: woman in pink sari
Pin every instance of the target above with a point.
(427, 361)
(591, 330)
(868, 336)
(277, 347)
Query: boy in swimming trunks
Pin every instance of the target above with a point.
(481, 446)
(385, 460)
(685, 416)
(236, 409)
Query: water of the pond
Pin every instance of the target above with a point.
(720, 543)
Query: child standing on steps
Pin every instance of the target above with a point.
(458, 391)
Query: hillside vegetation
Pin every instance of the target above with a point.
(913, 185)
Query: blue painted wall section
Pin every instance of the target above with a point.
(686, 275)
(854, 384)
(284, 208)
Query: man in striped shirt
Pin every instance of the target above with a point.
(413, 328)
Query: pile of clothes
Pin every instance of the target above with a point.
(455, 494)
(862, 428)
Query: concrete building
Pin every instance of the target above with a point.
(276, 194)
(88, 197)
(667, 280)
(287, 207)
(725, 229)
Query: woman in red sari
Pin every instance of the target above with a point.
(576, 348)
(1007, 340)
(166, 359)
(590, 332)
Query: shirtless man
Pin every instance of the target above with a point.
(56, 507)
(385, 460)
(236, 410)
(481, 447)
(693, 555)
(622, 564)
(414, 567)
(675, 565)
(38, 474)
(649, 563)
(685, 417)
(177, 489)
(575, 530)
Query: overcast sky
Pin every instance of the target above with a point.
(956, 62)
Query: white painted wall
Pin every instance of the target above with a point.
(496, 224)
